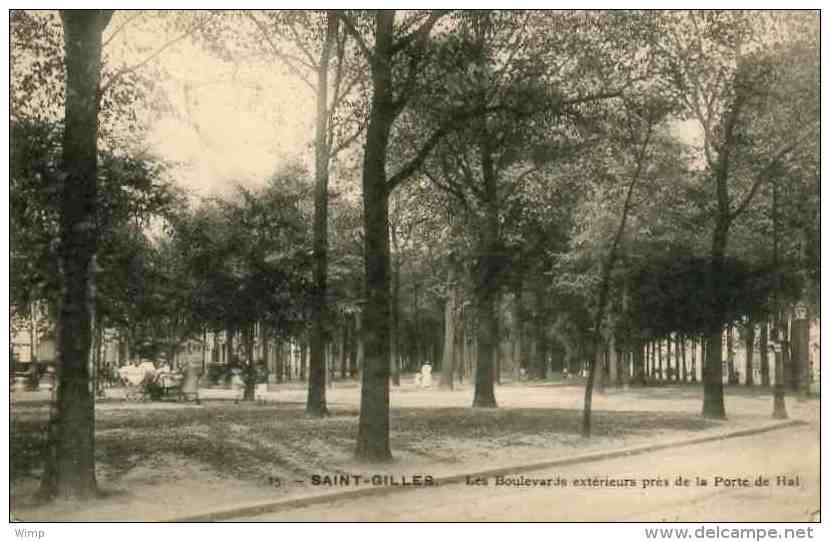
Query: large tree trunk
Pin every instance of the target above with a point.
(782, 351)
(373, 425)
(70, 459)
(486, 280)
(713, 406)
(316, 401)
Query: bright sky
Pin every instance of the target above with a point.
(229, 123)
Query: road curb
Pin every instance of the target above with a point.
(269, 507)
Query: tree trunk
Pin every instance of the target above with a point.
(682, 345)
(749, 346)
(250, 365)
(230, 347)
(354, 323)
(316, 401)
(263, 338)
(659, 345)
(614, 363)
(763, 346)
(713, 406)
(33, 342)
(639, 368)
(448, 360)
(303, 360)
(732, 376)
(693, 368)
(70, 459)
(461, 356)
(674, 356)
(330, 363)
(779, 407)
(518, 326)
(373, 425)
(98, 348)
(486, 279)
(394, 344)
(345, 349)
(361, 349)
(204, 349)
(601, 360)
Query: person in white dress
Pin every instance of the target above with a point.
(426, 375)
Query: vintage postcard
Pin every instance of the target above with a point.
(418, 266)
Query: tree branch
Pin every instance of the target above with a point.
(725, 155)
(466, 175)
(412, 166)
(299, 42)
(342, 145)
(762, 176)
(592, 98)
(121, 27)
(130, 69)
(338, 99)
(421, 33)
(348, 24)
(284, 58)
(338, 78)
(448, 188)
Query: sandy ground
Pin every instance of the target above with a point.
(174, 482)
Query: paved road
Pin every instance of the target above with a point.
(790, 453)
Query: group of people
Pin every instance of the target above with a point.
(142, 371)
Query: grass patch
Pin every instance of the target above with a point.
(250, 442)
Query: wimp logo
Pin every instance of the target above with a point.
(29, 533)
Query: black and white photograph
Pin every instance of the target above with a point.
(414, 266)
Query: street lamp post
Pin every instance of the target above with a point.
(800, 340)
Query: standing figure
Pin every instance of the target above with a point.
(426, 375)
